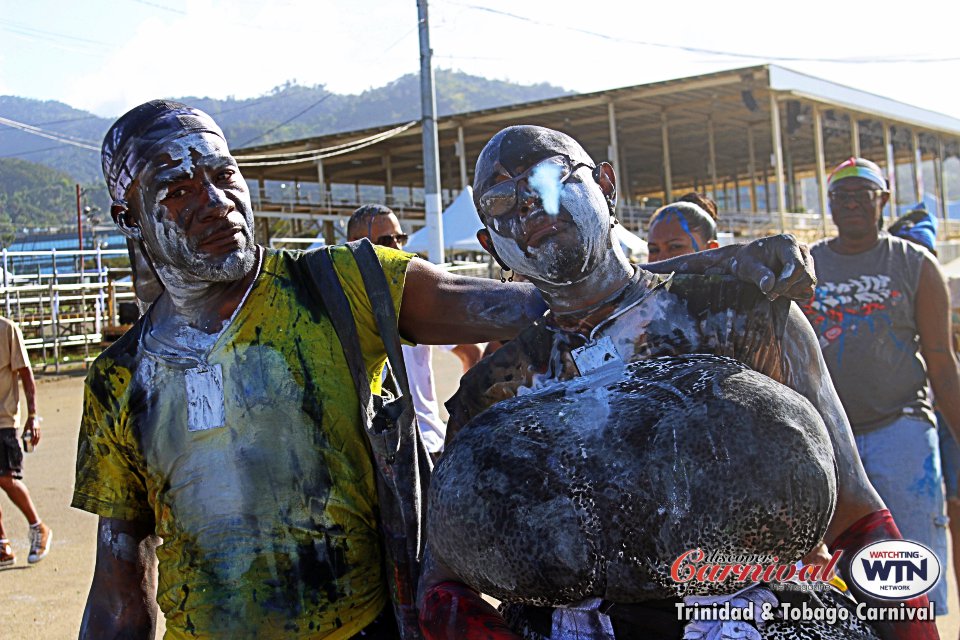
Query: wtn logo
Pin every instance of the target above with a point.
(895, 569)
(903, 570)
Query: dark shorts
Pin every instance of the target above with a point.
(383, 628)
(11, 455)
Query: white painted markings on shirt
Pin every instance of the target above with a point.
(205, 409)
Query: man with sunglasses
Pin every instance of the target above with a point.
(548, 211)
(881, 310)
(379, 224)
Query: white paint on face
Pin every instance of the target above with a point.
(567, 259)
(215, 200)
(545, 181)
(182, 149)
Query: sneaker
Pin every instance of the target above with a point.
(7, 557)
(40, 538)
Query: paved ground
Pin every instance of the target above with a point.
(45, 601)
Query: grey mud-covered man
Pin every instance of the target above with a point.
(548, 212)
(221, 436)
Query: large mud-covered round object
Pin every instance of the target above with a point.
(594, 486)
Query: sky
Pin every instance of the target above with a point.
(107, 56)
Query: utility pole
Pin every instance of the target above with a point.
(431, 154)
(79, 222)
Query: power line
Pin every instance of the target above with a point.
(62, 40)
(327, 152)
(285, 122)
(61, 121)
(59, 137)
(156, 5)
(712, 52)
(27, 153)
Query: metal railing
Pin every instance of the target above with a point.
(67, 301)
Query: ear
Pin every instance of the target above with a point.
(607, 179)
(146, 284)
(483, 237)
(884, 198)
(123, 218)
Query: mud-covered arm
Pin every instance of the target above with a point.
(442, 308)
(932, 316)
(778, 265)
(806, 373)
(123, 596)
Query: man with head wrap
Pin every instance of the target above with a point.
(881, 311)
(226, 421)
(548, 212)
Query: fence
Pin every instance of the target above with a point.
(65, 301)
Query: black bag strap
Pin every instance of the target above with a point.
(324, 285)
(384, 311)
(400, 458)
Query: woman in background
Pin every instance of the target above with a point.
(686, 226)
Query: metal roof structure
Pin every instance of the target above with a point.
(752, 138)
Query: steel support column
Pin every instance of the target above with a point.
(942, 187)
(712, 157)
(667, 175)
(854, 136)
(821, 166)
(778, 160)
(752, 168)
(891, 169)
(462, 156)
(917, 167)
(613, 149)
(321, 179)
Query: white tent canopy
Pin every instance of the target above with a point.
(460, 225)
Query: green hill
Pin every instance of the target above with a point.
(259, 120)
(33, 196)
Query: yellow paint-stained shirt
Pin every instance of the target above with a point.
(267, 509)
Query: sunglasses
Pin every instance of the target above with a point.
(860, 196)
(502, 197)
(392, 240)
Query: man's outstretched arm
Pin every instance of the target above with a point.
(123, 596)
(442, 308)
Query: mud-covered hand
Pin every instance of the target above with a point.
(779, 265)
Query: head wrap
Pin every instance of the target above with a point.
(918, 225)
(858, 168)
(136, 136)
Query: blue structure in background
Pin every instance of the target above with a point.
(24, 265)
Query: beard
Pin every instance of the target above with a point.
(176, 261)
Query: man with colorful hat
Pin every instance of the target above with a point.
(881, 313)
